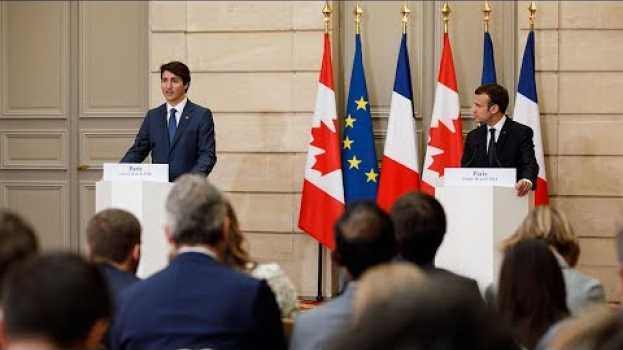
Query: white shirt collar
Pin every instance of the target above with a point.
(197, 249)
(498, 126)
(179, 107)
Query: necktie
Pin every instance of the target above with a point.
(491, 149)
(172, 126)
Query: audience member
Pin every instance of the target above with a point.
(363, 238)
(198, 302)
(113, 240)
(55, 301)
(419, 313)
(236, 255)
(552, 226)
(531, 296)
(595, 329)
(17, 241)
(420, 226)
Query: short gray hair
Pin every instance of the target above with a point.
(196, 211)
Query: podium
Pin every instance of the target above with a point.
(146, 200)
(479, 218)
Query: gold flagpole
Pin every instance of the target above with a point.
(486, 11)
(404, 11)
(445, 12)
(532, 9)
(358, 13)
(326, 12)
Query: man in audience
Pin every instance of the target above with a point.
(363, 238)
(56, 301)
(114, 239)
(420, 225)
(197, 302)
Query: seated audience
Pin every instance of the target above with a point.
(531, 295)
(363, 238)
(552, 226)
(197, 302)
(236, 255)
(420, 226)
(17, 241)
(596, 329)
(56, 301)
(113, 242)
(399, 307)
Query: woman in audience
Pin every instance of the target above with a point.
(236, 255)
(531, 294)
(552, 226)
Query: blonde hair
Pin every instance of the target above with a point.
(550, 225)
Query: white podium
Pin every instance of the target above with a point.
(146, 200)
(478, 219)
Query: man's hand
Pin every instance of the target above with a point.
(523, 186)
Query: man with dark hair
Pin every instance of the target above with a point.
(114, 239)
(363, 238)
(420, 226)
(17, 241)
(55, 301)
(500, 142)
(197, 302)
(178, 132)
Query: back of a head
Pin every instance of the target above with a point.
(364, 238)
(56, 298)
(597, 329)
(531, 290)
(196, 211)
(112, 234)
(549, 224)
(426, 315)
(420, 225)
(17, 241)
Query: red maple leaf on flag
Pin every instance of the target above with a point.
(451, 145)
(326, 139)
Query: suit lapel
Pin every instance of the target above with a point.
(504, 134)
(184, 120)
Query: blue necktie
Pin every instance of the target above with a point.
(172, 126)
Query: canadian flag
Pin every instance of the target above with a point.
(445, 138)
(399, 168)
(527, 112)
(322, 201)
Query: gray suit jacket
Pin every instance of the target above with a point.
(582, 290)
(313, 329)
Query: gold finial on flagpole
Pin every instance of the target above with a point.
(532, 9)
(326, 12)
(486, 11)
(445, 12)
(358, 13)
(404, 11)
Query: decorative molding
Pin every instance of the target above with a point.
(86, 136)
(42, 185)
(53, 112)
(86, 43)
(62, 163)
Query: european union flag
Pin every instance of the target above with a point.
(488, 61)
(359, 166)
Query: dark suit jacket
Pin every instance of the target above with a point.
(117, 280)
(193, 148)
(198, 303)
(514, 149)
(468, 285)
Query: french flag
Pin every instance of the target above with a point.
(399, 167)
(527, 112)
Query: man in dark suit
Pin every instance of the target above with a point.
(363, 238)
(179, 132)
(511, 145)
(420, 226)
(113, 241)
(197, 302)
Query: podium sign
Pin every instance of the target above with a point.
(500, 177)
(136, 172)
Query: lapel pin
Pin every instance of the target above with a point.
(186, 117)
